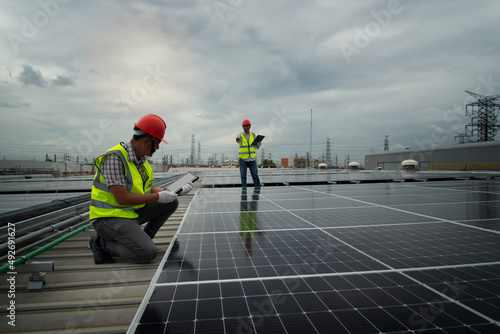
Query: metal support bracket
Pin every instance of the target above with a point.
(36, 281)
(37, 271)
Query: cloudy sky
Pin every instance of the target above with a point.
(76, 75)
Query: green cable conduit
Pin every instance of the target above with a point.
(21, 260)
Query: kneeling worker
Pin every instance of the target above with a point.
(124, 198)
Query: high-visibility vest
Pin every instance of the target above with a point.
(103, 203)
(246, 151)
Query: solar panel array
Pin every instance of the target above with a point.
(336, 176)
(365, 258)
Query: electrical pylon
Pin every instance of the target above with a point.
(483, 113)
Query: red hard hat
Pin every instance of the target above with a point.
(245, 122)
(153, 125)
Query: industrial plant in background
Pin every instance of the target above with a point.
(477, 149)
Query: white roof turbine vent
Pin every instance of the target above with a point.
(409, 165)
(354, 165)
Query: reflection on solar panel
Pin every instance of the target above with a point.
(366, 258)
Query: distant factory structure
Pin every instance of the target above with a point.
(477, 148)
(471, 156)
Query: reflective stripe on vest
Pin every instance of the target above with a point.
(246, 151)
(103, 203)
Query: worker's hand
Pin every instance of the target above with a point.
(166, 196)
(238, 138)
(186, 188)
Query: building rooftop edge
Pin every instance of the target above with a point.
(446, 147)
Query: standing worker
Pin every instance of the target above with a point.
(247, 155)
(123, 197)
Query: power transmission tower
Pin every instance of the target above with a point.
(310, 139)
(328, 153)
(386, 143)
(462, 138)
(484, 124)
(164, 163)
(192, 150)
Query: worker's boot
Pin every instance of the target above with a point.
(100, 255)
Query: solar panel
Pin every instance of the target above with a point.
(365, 258)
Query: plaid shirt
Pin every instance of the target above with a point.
(113, 170)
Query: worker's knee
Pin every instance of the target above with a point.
(168, 207)
(148, 254)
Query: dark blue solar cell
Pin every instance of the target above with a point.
(156, 313)
(231, 289)
(209, 290)
(209, 309)
(235, 307)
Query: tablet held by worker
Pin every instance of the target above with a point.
(258, 140)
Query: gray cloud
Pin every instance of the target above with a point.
(30, 76)
(63, 81)
(14, 105)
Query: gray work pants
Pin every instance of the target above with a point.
(126, 238)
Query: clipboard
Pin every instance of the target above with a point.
(178, 191)
(257, 139)
(176, 186)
